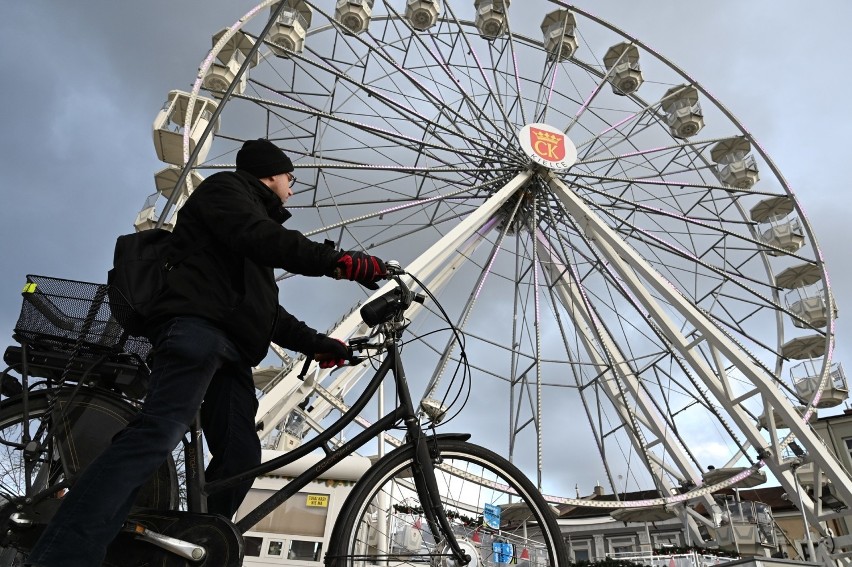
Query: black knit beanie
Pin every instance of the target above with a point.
(262, 159)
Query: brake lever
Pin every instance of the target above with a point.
(305, 367)
(361, 344)
(352, 360)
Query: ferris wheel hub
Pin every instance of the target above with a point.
(547, 146)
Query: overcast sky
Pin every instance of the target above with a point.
(84, 80)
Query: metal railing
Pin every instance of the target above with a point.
(692, 559)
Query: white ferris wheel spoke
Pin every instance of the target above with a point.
(429, 267)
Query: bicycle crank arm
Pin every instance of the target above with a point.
(179, 547)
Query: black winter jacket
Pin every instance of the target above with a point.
(231, 229)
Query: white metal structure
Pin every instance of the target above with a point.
(354, 15)
(629, 297)
(166, 181)
(736, 166)
(559, 30)
(422, 14)
(491, 17)
(229, 59)
(683, 110)
(290, 27)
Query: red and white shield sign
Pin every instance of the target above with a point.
(547, 146)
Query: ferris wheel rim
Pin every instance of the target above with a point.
(785, 186)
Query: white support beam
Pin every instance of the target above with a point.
(278, 402)
(591, 333)
(641, 277)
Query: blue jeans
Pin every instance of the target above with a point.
(193, 361)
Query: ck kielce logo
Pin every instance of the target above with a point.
(547, 146)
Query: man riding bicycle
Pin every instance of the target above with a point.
(211, 324)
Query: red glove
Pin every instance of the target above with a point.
(330, 352)
(359, 267)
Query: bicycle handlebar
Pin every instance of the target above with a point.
(392, 304)
(383, 309)
(393, 269)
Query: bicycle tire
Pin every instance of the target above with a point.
(91, 420)
(469, 476)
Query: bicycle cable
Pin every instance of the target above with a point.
(462, 362)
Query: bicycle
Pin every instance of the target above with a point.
(442, 491)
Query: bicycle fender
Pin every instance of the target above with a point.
(447, 436)
(452, 436)
(432, 438)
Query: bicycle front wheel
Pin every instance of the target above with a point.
(496, 513)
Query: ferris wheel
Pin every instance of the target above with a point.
(635, 279)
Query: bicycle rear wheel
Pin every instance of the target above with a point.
(30, 465)
(496, 513)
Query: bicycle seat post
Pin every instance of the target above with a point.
(196, 499)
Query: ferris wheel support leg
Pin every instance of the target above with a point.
(277, 403)
(348, 377)
(590, 334)
(612, 361)
(639, 275)
(281, 399)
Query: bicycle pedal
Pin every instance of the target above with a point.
(20, 521)
(179, 547)
(173, 534)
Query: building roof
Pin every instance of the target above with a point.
(847, 413)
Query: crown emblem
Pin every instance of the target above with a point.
(546, 137)
(549, 146)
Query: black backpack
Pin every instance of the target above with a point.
(138, 275)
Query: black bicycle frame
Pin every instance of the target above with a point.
(424, 476)
(403, 412)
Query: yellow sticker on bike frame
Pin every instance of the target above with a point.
(317, 500)
(29, 288)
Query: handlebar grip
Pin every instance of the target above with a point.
(351, 358)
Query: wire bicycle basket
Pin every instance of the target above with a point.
(70, 329)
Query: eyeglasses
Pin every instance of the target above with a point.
(292, 179)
